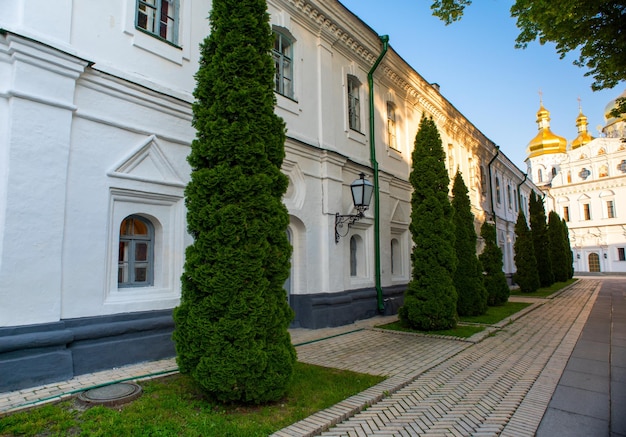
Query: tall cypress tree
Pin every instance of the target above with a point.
(568, 250)
(232, 323)
(468, 277)
(430, 299)
(558, 248)
(526, 275)
(491, 259)
(539, 232)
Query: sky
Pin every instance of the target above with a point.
(481, 73)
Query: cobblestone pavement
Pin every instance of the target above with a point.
(499, 386)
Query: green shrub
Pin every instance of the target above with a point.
(526, 275)
(468, 277)
(491, 259)
(231, 326)
(430, 298)
(539, 232)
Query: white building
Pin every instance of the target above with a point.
(585, 184)
(95, 127)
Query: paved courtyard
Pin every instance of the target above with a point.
(503, 381)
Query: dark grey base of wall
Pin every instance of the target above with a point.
(324, 310)
(40, 354)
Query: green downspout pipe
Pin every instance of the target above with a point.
(519, 193)
(370, 80)
(493, 209)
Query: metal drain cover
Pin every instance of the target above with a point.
(111, 395)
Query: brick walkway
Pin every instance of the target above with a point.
(496, 383)
(500, 386)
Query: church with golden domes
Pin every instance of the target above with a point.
(585, 183)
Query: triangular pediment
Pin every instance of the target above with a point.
(399, 215)
(148, 163)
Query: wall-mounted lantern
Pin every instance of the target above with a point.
(362, 191)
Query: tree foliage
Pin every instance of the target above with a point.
(559, 248)
(568, 249)
(594, 27)
(468, 277)
(430, 298)
(491, 258)
(232, 323)
(526, 275)
(539, 232)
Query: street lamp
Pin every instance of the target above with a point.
(362, 191)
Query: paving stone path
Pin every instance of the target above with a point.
(499, 386)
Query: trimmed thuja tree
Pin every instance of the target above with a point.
(468, 277)
(232, 323)
(559, 248)
(491, 259)
(568, 250)
(430, 299)
(526, 275)
(541, 243)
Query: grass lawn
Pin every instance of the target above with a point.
(494, 315)
(546, 291)
(173, 406)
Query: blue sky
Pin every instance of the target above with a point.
(493, 84)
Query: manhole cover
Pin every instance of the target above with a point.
(111, 395)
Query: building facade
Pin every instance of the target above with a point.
(585, 183)
(95, 127)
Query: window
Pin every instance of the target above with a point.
(566, 213)
(553, 172)
(396, 262)
(508, 195)
(497, 189)
(621, 254)
(516, 200)
(610, 209)
(391, 126)
(136, 247)
(483, 181)
(451, 160)
(353, 256)
(159, 18)
(586, 211)
(282, 54)
(354, 103)
(539, 175)
(569, 177)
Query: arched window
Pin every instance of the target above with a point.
(498, 199)
(353, 256)
(539, 175)
(282, 54)
(553, 171)
(508, 195)
(604, 171)
(354, 103)
(483, 181)
(391, 126)
(569, 177)
(396, 261)
(136, 252)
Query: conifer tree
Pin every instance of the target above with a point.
(232, 323)
(491, 259)
(558, 248)
(526, 275)
(539, 232)
(468, 277)
(430, 298)
(568, 250)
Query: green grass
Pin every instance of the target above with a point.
(497, 313)
(493, 316)
(459, 331)
(546, 291)
(173, 406)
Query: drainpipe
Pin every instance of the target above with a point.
(519, 193)
(370, 80)
(493, 209)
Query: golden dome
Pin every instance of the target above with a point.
(545, 142)
(583, 135)
(612, 105)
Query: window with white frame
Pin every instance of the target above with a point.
(158, 18)
(509, 197)
(610, 209)
(396, 260)
(621, 254)
(136, 252)
(483, 180)
(566, 213)
(353, 256)
(586, 211)
(354, 103)
(283, 55)
(498, 199)
(391, 126)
